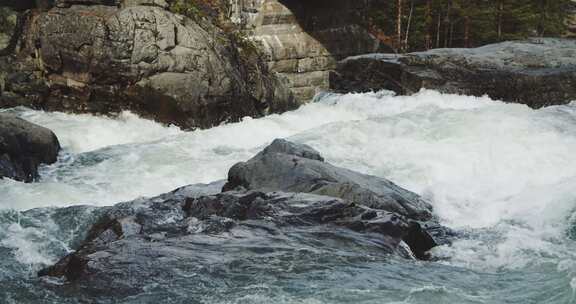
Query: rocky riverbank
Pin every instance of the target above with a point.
(107, 56)
(537, 72)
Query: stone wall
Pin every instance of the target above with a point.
(303, 40)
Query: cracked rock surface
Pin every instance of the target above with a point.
(139, 57)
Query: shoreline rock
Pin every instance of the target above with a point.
(24, 146)
(536, 72)
(103, 59)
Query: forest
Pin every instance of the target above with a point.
(413, 25)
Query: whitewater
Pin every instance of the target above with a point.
(502, 175)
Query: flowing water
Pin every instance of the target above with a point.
(502, 174)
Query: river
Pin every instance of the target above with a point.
(503, 175)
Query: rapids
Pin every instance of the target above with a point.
(502, 174)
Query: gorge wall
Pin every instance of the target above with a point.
(108, 56)
(304, 40)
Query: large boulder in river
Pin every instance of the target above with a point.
(23, 147)
(105, 59)
(159, 240)
(286, 166)
(536, 72)
(187, 232)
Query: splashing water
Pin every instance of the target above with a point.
(503, 174)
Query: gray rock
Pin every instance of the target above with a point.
(105, 59)
(144, 242)
(285, 166)
(23, 147)
(535, 72)
(194, 232)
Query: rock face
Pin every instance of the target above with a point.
(143, 58)
(304, 40)
(148, 241)
(536, 72)
(23, 147)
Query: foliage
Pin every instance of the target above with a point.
(187, 8)
(464, 23)
(216, 11)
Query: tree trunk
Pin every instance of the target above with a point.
(429, 29)
(447, 24)
(500, 18)
(408, 25)
(467, 31)
(399, 4)
(438, 29)
(544, 5)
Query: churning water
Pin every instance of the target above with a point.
(502, 174)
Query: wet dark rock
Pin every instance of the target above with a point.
(536, 72)
(24, 146)
(290, 167)
(159, 240)
(135, 244)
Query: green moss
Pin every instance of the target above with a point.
(188, 8)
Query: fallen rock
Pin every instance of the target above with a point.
(105, 59)
(24, 147)
(290, 167)
(536, 72)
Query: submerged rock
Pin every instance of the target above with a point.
(23, 147)
(536, 72)
(139, 57)
(158, 240)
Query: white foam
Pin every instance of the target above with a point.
(83, 132)
(28, 244)
(503, 168)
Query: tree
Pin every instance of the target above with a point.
(409, 25)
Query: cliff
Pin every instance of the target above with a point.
(104, 57)
(303, 40)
